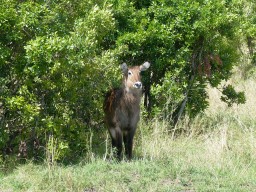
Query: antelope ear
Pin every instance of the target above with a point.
(144, 66)
(124, 68)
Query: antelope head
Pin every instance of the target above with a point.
(132, 78)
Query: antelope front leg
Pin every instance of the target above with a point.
(117, 140)
(128, 143)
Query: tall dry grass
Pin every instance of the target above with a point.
(222, 133)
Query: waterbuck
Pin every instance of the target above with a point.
(122, 109)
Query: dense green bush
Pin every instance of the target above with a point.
(54, 69)
(58, 58)
(189, 43)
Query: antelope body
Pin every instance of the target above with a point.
(122, 109)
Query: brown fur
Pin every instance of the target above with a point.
(122, 109)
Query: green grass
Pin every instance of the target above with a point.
(222, 159)
(215, 152)
(179, 172)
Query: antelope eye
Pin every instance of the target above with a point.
(129, 73)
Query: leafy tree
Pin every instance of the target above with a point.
(189, 43)
(52, 72)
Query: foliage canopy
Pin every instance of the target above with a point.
(57, 58)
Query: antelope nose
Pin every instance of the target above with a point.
(138, 85)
